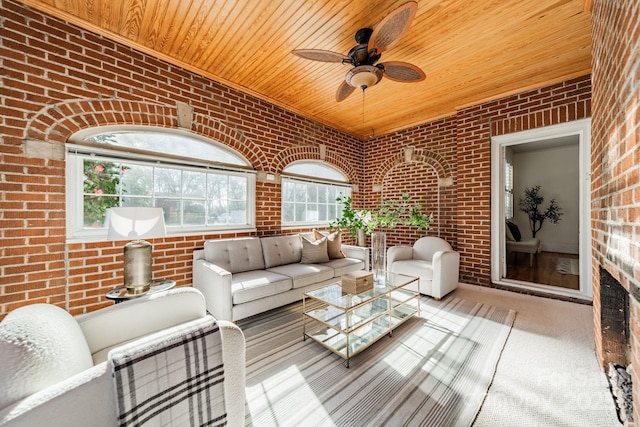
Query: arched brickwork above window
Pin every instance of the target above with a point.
(312, 152)
(436, 161)
(58, 122)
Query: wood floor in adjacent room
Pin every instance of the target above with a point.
(543, 271)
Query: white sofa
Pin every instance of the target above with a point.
(57, 370)
(242, 277)
(432, 260)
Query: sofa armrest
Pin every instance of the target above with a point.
(398, 253)
(233, 356)
(358, 252)
(122, 323)
(215, 284)
(446, 265)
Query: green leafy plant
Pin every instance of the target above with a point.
(351, 219)
(101, 181)
(530, 205)
(404, 211)
(389, 215)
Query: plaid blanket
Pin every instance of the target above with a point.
(171, 379)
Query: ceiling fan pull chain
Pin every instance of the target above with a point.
(362, 106)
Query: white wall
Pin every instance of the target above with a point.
(556, 170)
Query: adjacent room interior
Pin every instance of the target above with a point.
(380, 213)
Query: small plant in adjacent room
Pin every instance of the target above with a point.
(530, 205)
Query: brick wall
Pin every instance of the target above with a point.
(462, 144)
(432, 156)
(615, 160)
(57, 79)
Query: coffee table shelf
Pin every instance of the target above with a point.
(346, 324)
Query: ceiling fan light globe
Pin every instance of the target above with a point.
(363, 76)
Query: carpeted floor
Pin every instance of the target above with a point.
(433, 371)
(548, 374)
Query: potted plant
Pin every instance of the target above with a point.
(376, 222)
(352, 220)
(392, 213)
(529, 205)
(389, 215)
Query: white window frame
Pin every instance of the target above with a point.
(508, 190)
(340, 183)
(77, 153)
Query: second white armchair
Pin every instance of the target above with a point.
(432, 260)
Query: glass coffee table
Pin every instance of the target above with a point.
(347, 324)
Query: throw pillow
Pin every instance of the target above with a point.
(515, 231)
(334, 243)
(314, 252)
(507, 233)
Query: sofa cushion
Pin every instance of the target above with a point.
(415, 267)
(334, 243)
(281, 250)
(252, 285)
(304, 274)
(314, 252)
(344, 265)
(235, 255)
(40, 345)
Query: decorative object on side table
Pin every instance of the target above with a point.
(137, 224)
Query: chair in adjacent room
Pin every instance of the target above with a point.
(515, 243)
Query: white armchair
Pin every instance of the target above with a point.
(59, 370)
(432, 260)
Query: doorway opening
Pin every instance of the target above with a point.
(557, 258)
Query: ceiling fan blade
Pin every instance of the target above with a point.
(320, 55)
(344, 90)
(403, 72)
(392, 27)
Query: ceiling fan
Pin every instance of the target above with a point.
(366, 72)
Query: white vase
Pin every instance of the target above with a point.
(379, 254)
(361, 239)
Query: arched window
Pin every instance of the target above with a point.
(309, 192)
(202, 185)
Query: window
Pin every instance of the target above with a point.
(309, 192)
(201, 185)
(508, 190)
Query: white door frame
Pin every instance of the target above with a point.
(581, 128)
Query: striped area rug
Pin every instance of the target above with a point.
(434, 371)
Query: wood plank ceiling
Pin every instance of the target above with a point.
(471, 50)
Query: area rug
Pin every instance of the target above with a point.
(434, 370)
(568, 266)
